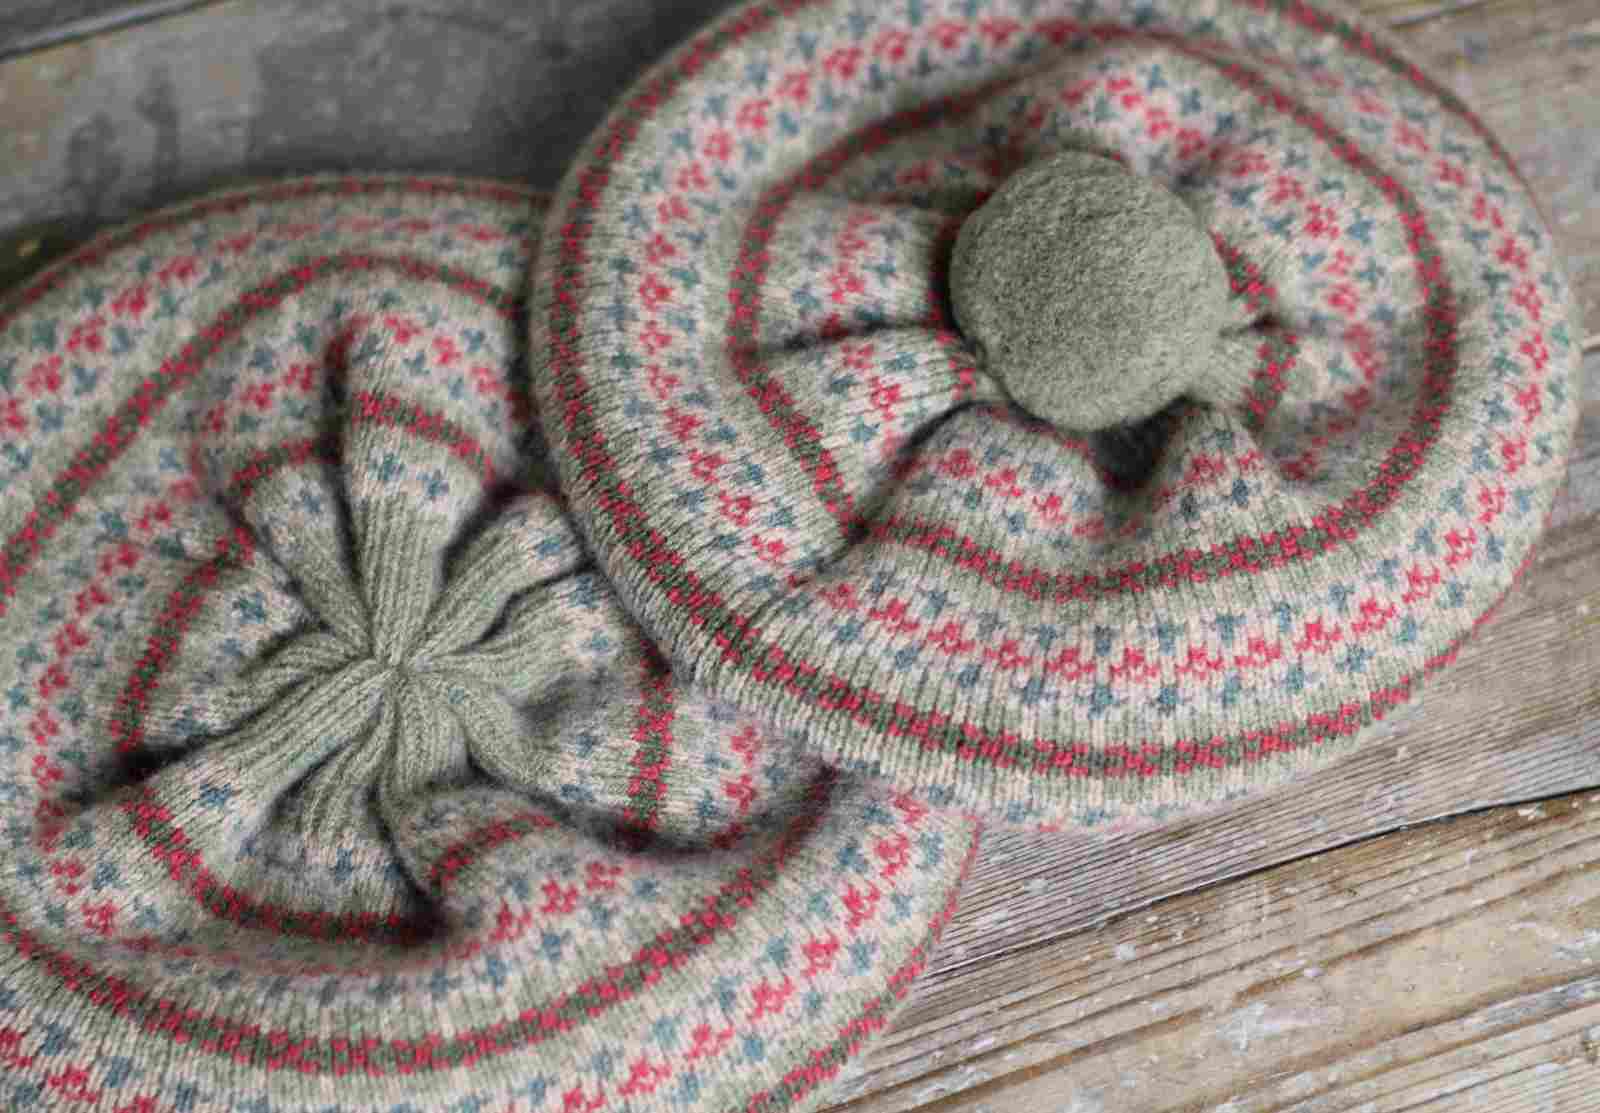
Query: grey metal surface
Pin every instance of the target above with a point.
(97, 129)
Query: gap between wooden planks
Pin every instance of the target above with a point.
(1452, 966)
(1514, 719)
(1517, 717)
(38, 27)
(1530, 68)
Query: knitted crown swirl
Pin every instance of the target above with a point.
(332, 774)
(833, 507)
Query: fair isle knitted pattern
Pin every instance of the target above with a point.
(809, 491)
(335, 780)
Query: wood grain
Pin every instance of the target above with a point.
(1175, 958)
(29, 25)
(1020, 1014)
(1516, 718)
(504, 88)
(1449, 967)
(1403, 14)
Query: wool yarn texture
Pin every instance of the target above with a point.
(335, 778)
(1094, 408)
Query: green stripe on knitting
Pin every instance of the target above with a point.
(393, 411)
(122, 427)
(234, 551)
(1279, 349)
(245, 1044)
(153, 823)
(1329, 527)
(801, 437)
(825, 1062)
(647, 786)
(299, 189)
(458, 859)
(741, 648)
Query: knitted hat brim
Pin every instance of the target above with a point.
(811, 492)
(335, 776)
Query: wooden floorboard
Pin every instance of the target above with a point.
(1452, 966)
(30, 25)
(1517, 716)
(1057, 990)
(101, 128)
(1334, 946)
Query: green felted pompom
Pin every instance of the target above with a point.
(1090, 292)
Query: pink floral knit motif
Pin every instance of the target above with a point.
(334, 775)
(805, 482)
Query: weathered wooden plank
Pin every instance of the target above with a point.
(1402, 14)
(99, 129)
(1452, 966)
(93, 134)
(1517, 716)
(28, 25)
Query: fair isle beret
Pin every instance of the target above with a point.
(334, 778)
(1087, 407)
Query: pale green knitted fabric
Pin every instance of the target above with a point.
(791, 434)
(334, 778)
(338, 778)
(1090, 294)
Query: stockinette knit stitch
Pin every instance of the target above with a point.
(334, 777)
(917, 509)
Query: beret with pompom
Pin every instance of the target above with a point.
(1092, 406)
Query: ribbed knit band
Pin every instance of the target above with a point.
(333, 778)
(809, 488)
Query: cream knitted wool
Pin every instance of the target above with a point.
(334, 780)
(814, 491)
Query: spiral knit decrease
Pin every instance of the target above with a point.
(334, 777)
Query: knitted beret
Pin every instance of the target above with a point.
(1087, 406)
(333, 777)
